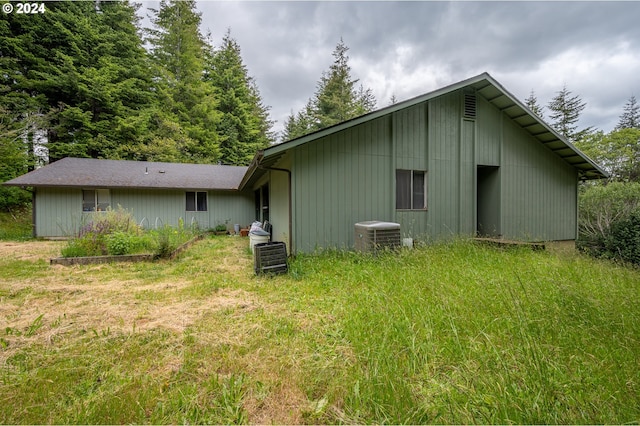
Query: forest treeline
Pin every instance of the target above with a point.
(85, 79)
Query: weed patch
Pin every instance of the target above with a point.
(447, 333)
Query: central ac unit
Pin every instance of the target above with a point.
(374, 235)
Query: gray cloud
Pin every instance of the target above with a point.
(409, 48)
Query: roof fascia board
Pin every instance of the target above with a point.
(546, 126)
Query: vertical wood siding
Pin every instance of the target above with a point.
(489, 125)
(340, 180)
(538, 190)
(411, 152)
(59, 210)
(444, 165)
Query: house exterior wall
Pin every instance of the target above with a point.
(340, 180)
(279, 198)
(59, 210)
(349, 177)
(539, 190)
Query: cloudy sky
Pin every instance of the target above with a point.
(413, 47)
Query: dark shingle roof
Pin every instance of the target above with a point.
(92, 173)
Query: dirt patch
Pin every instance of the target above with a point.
(97, 299)
(31, 250)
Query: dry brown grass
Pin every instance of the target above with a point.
(109, 299)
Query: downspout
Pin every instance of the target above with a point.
(276, 169)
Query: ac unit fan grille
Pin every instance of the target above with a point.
(370, 236)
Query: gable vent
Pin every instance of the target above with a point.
(469, 105)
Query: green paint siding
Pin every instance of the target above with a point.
(538, 190)
(444, 166)
(489, 125)
(152, 208)
(467, 196)
(169, 206)
(58, 211)
(410, 138)
(340, 180)
(411, 145)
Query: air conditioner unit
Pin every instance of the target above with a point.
(374, 235)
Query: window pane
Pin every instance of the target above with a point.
(418, 190)
(191, 201)
(104, 199)
(202, 201)
(88, 200)
(403, 189)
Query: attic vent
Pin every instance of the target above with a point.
(373, 235)
(469, 105)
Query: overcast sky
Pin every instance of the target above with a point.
(410, 48)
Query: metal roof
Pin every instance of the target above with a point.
(92, 173)
(484, 85)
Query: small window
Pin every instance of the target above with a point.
(196, 201)
(96, 200)
(411, 193)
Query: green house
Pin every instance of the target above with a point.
(69, 192)
(468, 159)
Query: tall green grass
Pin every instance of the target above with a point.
(15, 225)
(448, 333)
(459, 333)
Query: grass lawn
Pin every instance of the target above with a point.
(451, 333)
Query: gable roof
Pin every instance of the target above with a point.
(484, 85)
(92, 173)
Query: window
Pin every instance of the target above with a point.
(95, 200)
(196, 201)
(411, 193)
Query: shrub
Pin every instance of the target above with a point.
(166, 243)
(623, 241)
(119, 243)
(111, 232)
(608, 220)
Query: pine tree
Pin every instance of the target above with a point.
(336, 99)
(14, 160)
(86, 74)
(189, 105)
(565, 113)
(630, 118)
(244, 126)
(532, 103)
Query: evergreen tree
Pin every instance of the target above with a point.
(299, 124)
(13, 160)
(532, 103)
(565, 111)
(337, 99)
(244, 126)
(85, 74)
(188, 102)
(630, 118)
